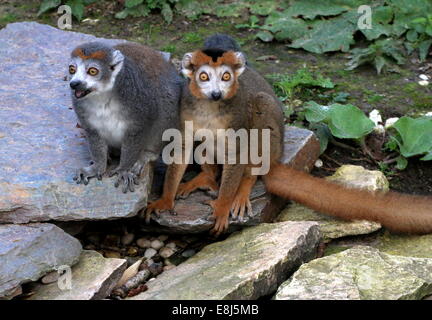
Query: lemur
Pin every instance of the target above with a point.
(124, 96)
(223, 92)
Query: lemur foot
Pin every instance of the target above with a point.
(127, 178)
(220, 216)
(201, 181)
(83, 175)
(159, 206)
(240, 206)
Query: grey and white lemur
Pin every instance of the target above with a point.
(124, 96)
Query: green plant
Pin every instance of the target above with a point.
(192, 37)
(420, 36)
(253, 23)
(287, 86)
(77, 6)
(142, 8)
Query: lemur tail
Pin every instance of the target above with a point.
(398, 212)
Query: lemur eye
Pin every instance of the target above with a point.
(203, 76)
(226, 76)
(93, 71)
(72, 69)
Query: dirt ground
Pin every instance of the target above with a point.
(394, 95)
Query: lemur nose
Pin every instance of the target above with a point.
(75, 84)
(216, 95)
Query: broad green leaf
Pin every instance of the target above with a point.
(349, 122)
(284, 27)
(401, 163)
(263, 8)
(381, 17)
(414, 136)
(265, 36)
(47, 5)
(323, 133)
(77, 8)
(310, 9)
(315, 112)
(167, 13)
(427, 157)
(132, 3)
(424, 49)
(412, 35)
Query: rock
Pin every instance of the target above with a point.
(93, 277)
(28, 252)
(166, 252)
(300, 151)
(50, 277)
(247, 265)
(149, 253)
(188, 253)
(169, 267)
(143, 243)
(171, 245)
(360, 273)
(163, 237)
(112, 254)
(406, 245)
(332, 228)
(37, 185)
(157, 244)
(127, 239)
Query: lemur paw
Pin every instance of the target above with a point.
(220, 216)
(126, 178)
(159, 206)
(240, 206)
(83, 175)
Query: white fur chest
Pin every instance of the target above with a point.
(105, 116)
(206, 115)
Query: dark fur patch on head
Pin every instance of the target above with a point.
(93, 50)
(214, 53)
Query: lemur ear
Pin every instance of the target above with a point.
(241, 63)
(117, 59)
(187, 66)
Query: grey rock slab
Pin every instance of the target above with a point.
(247, 265)
(40, 142)
(331, 227)
(93, 278)
(360, 273)
(28, 252)
(301, 149)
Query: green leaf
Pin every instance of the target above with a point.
(265, 36)
(167, 13)
(414, 136)
(132, 3)
(401, 163)
(424, 49)
(263, 8)
(381, 18)
(47, 5)
(412, 35)
(77, 7)
(323, 133)
(315, 112)
(349, 122)
(427, 157)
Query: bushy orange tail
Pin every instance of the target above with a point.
(398, 212)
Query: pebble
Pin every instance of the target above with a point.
(318, 163)
(423, 83)
(423, 77)
(171, 245)
(188, 253)
(156, 268)
(163, 237)
(127, 239)
(149, 253)
(50, 277)
(143, 243)
(390, 122)
(112, 240)
(112, 254)
(132, 251)
(166, 252)
(166, 268)
(157, 244)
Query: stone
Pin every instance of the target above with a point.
(188, 253)
(93, 278)
(36, 185)
(247, 265)
(166, 252)
(301, 150)
(51, 277)
(149, 253)
(171, 245)
(406, 245)
(157, 244)
(331, 227)
(127, 239)
(28, 252)
(143, 243)
(360, 273)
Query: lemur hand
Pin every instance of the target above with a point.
(127, 178)
(82, 175)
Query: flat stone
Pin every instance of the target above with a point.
(332, 228)
(247, 265)
(419, 246)
(360, 273)
(301, 150)
(28, 252)
(93, 277)
(44, 146)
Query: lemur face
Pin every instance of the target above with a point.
(213, 73)
(93, 69)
